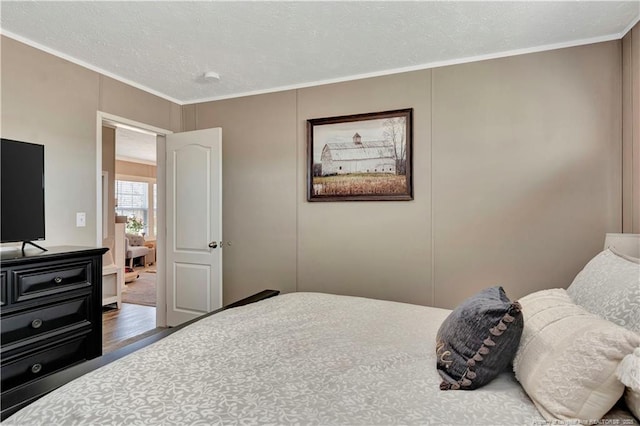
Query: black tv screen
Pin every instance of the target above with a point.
(22, 191)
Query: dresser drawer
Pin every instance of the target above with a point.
(3, 288)
(50, 317)
(44, 281)
(48, 360)
(42, 321)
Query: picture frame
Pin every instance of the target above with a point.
(361, 157)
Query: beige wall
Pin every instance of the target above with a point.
(517, 176)
(259, 156)
(631, 130)
(130, 168)
(517, 171)
(526, 170)
(50, 101)
(135, 104)
(374, 249)
(109, 166)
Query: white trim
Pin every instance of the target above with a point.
(435, 64)
(132, 178)
(419, 67)
(76, 61)
(135, 129)
(105, 203)
(114, 120)
(633, 23)
(99, 219)
(161, 240)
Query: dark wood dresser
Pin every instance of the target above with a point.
(50, 313)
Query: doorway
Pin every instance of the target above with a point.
(135, 203)
(132, 213)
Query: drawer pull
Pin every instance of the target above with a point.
(36, 368)
(36, 323)
(57, 280)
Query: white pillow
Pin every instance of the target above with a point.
(632, 399)
(609, 286)
(628, 372)
(567, 357)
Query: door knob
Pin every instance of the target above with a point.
(213, 244)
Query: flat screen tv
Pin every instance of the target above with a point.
(22, 192)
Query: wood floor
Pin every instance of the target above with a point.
(126, 325)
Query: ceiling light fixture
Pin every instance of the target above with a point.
(211, 76)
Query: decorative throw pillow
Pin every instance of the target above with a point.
(135, 240)
(478, 340)
(568, 356)
(609, 286)
(628, 372)
(632, 399)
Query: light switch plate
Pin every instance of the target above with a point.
(81, 219)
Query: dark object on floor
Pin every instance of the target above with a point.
(130, 274)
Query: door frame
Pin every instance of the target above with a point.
(114, 120)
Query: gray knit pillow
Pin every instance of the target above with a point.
(478, 340)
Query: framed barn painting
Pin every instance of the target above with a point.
(362, 157)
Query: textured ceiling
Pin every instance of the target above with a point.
(255, 47)
(132, 145)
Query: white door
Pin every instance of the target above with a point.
(194, 224)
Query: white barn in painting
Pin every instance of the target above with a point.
(358, 157)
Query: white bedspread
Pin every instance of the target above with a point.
(301, 358)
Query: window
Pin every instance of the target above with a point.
(134, 198)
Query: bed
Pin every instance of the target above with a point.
(299, 358)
